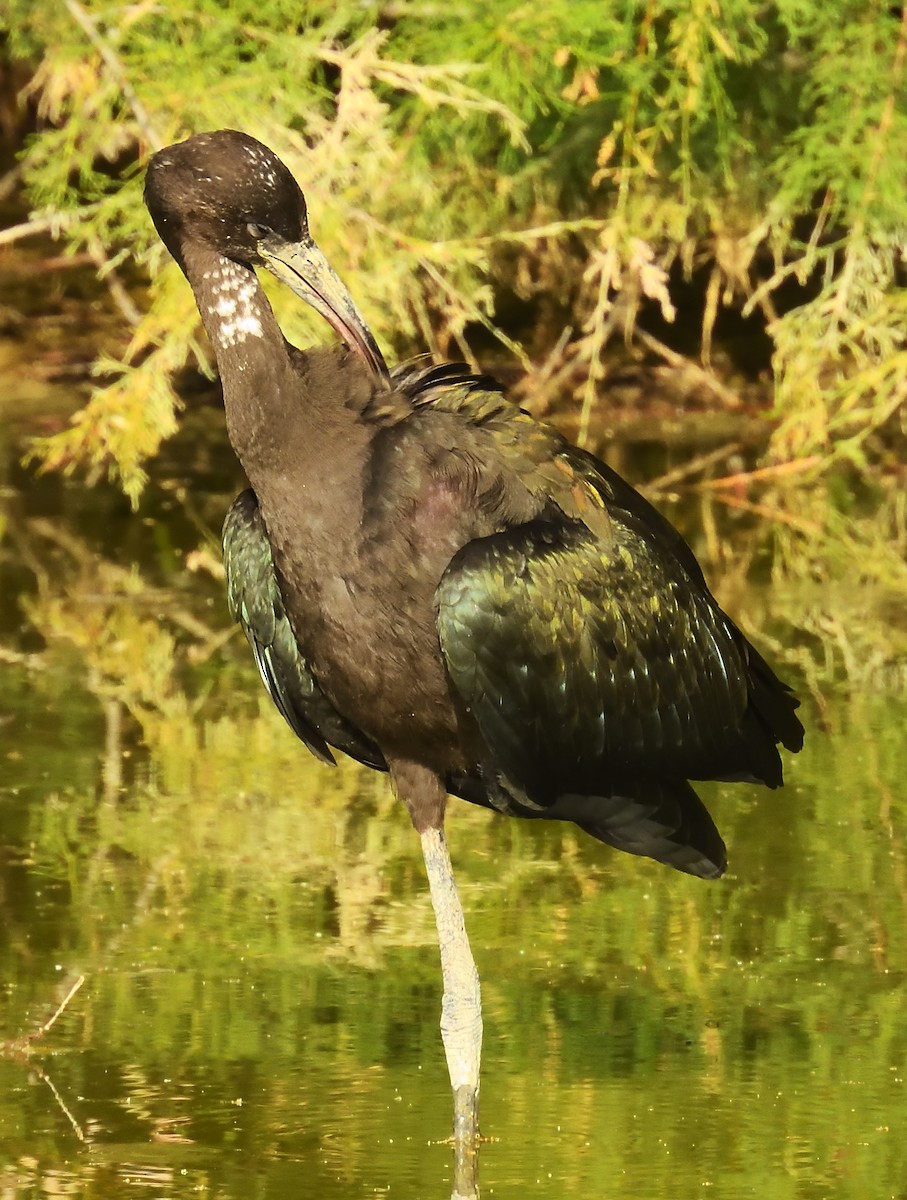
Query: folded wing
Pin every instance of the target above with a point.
(603, 677)
(256, 603)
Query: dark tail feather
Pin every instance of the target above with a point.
(774, 703)
(665, 821)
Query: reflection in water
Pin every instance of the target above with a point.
(259, 1010)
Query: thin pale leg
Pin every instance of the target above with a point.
(461, 1007)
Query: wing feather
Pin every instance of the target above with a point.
(256, 603)
(609, 663)
(603, 678)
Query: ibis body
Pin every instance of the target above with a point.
(440, 586)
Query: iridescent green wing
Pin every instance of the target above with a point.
(254, 597)
(588, 664)
(602, 679)
(608, 558)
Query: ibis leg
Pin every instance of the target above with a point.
(461, 1008)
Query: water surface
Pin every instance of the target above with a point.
(260, 998)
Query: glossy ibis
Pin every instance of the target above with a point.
(440, 586)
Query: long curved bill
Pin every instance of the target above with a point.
(304, 269)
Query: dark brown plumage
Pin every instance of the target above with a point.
(437, 584)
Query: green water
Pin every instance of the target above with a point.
(258, 1015)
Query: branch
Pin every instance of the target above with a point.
(795, 467)
(728, 398)
(113, 64)
(692, 467)
(22, 1045)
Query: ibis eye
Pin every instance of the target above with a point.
(257, 231)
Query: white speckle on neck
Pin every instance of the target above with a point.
(235, 315)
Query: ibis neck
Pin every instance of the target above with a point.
(261, 387)
(294, 420)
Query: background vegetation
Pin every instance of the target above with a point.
(689, 216)
(554, 174)
(632, 212)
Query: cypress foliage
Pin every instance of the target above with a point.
(585, 158)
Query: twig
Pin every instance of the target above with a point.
(61, 1008)
(113, 64)
(534, 233)
(602, 326)
(771, 514)
(435, 84)
(22, 1045)
(15, 657)
(795, 267)
(76, 1127)
(118, 293)
(215, 641)
(692, 466)
(25, 229)
(52, 224)
(53, 532)
(477, 315)
(10, 181)
(793, 467)
(728, 398)
(62, 262)
(537, 386)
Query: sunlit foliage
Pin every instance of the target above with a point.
(580, 157)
